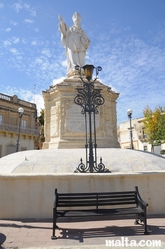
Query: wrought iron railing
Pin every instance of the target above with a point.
(141, 137)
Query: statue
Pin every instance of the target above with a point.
(75, 42)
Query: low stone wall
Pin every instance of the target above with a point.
(32, 196)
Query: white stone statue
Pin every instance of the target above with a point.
(75, 42)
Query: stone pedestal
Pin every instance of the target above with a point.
(65, 125)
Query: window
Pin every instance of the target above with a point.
(11, 148)
(23, 123)
(1, 119)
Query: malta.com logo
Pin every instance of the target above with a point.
(125, 242)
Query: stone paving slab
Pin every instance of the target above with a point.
(36, 234)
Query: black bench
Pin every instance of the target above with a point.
(99, 205)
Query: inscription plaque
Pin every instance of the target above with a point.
(75, 120)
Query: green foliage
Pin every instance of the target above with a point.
(154, 125)
(41, 117)
(162, 152)
(41, 121)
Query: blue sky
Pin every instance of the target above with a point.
(127, 41)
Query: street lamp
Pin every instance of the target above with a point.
(89, 99)
(20, 113)
(129, 113)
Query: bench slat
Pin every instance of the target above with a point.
(92, 202)
(100, 212)
(93, 205)
(95, 197)
(94, 194)
(107, 198)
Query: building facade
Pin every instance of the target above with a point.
(138, 136)
(9, 125)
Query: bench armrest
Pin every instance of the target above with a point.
(55, 198)
(140, 202)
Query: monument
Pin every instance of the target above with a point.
(30, 177)
(64, 122)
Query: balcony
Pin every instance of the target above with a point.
(14, 129)
(143, 137)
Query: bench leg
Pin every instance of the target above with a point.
(145, 226)
(141, 219)
(54, 224)
(136, 222)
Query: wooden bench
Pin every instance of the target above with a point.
(99, 205)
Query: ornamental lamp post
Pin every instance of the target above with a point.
(89, 99)
(129, 113)
(20, 113)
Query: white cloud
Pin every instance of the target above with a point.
(14, 51)
(64, 63)
(23, 6)
(27, 6)
(24, 41)
(36, 30)
(29, 96)
(33, 13)
(34, 43)
(33, 98)
(39, 101)
(1, 5)
(15, 40)
(13, 23)
(26, 95)
(29, 9)
(38, 60)
(57, 81)
(45, 66)
(37, 42)
(8, 29)
(19, 57)
(28, 21)
(17, 7)
(46, 52)
(6, 43)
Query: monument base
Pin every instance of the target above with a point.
(68, 144)
(64, 125)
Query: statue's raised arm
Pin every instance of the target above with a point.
(62, 27)
(75, 42)
(60, 18)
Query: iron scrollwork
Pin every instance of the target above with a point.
(90, 99)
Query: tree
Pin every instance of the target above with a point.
(41, 121)
(154, 125)
(41, 117)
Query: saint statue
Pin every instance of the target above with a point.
(75, 42)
